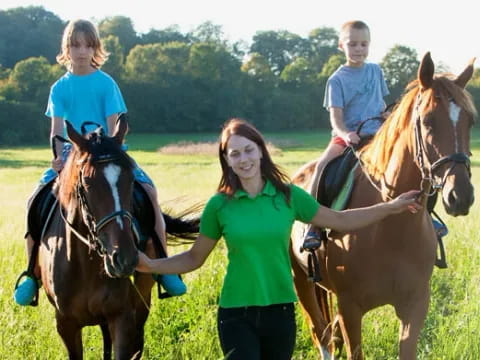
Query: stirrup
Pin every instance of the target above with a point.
(26, 293)
(311, 244)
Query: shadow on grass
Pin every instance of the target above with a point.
(16, 164)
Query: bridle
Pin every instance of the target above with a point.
(92, 239)
(431, 183)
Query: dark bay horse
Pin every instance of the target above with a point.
(424, 144)
(88, 253)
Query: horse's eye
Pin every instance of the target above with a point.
(87, 181)
(428, 121)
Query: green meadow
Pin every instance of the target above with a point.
(185, 327)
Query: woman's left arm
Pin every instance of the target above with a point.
(353, 219)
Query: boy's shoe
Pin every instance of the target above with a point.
(440, 229)
(172, 284)
(26, 291)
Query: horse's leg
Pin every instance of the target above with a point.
(412, 316)
(127, 339)
(350, 317)
(71, 334)
(311, 308)
(107, 342)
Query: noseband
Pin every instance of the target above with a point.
(92, 240)
(428, 173)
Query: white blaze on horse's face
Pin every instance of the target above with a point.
(454, 111)
(112, 173)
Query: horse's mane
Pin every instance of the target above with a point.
(399, 126)
(99, 148)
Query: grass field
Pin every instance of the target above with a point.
(185, 328)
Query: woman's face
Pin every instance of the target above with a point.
(244, 157)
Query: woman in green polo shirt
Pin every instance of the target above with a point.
(254, 211)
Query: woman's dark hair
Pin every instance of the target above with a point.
(229, 182)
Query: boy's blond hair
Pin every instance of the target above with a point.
(92, 37)
(353, 24)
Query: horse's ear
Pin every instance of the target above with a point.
(426, 71)
(121, 129)
(77, 140)
(466, 75)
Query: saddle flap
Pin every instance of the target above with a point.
(335, 175)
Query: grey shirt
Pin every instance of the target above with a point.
(360, 93)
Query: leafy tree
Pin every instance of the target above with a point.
(29, 32)
(208, 32)
(4, 73)
(32, 77)
(141, 63)
(280, 48)
(332, 64)
(258, 68)
(400, 66)
(299, 72)
(114, 64)
(122, 28)
(169, 34)
(323, 44)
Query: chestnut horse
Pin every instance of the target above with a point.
(89, 251)
(424, 144)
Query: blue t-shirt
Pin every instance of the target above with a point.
(80, 98)
(360, 93)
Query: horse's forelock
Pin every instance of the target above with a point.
(99, 148)
(461, 96)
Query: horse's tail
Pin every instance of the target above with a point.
(182, 228)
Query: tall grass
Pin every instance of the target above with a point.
(185, 327)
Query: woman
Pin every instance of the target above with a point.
(254, 210)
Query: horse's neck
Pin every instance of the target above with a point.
(402, 173)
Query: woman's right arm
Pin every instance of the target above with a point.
(181, 263)
(353, 219)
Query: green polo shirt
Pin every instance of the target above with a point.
(257, 234)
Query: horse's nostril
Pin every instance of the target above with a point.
(451, 197)
(115, 258)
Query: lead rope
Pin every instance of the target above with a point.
(132, 280)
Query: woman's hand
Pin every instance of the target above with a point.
(144, 263)
(405, 201)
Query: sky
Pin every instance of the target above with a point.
(445, 28)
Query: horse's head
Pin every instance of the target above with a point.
(101, 187)
(443, 115)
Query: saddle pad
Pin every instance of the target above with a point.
(341, 200)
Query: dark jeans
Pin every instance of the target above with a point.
(257, 332)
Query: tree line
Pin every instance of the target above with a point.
(183, 82)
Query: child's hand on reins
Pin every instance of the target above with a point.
(57, 164)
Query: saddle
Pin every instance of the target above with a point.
(334, 176)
